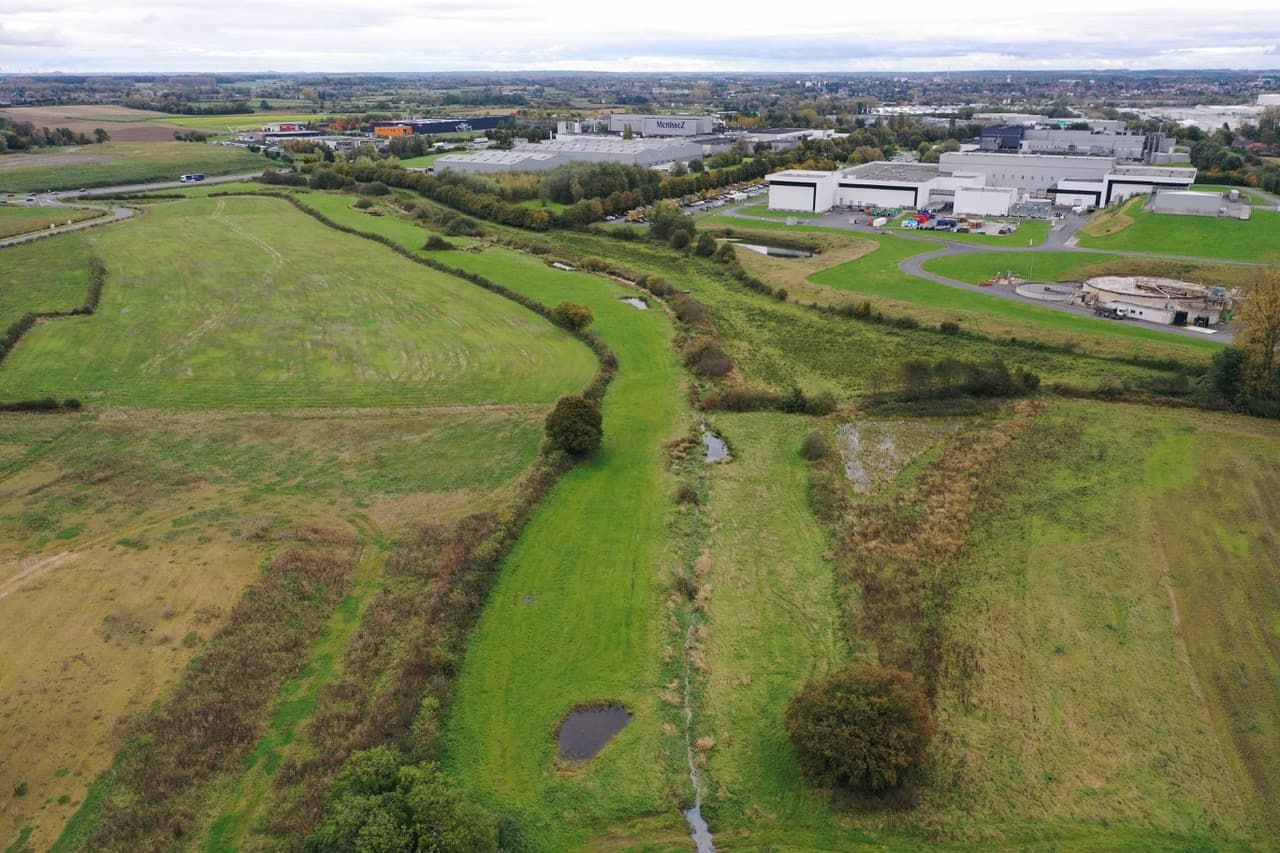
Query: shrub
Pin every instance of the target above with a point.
(726, 253)
(686, 494)
(575, 425)
(436, 243)
(706, 358)
(374, 188)
(706, 245)
(863, 728)
(363, 204)
(815, 446)
(680, 239)
(573, 316)
(949, 327)
(380, 803)
(461, 226)
(780, 294)
(593, 263)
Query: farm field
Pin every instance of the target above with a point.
(124, 124)
(115, 163)
(1105, 606)
(134, 530)
(1086, 589)
(1254, 239)
(23, 220)
(62, 281)
(354, 327)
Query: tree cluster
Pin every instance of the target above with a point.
(23, 135)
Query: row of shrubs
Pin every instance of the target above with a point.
(795, 401)
(44, 404)
(920, 379)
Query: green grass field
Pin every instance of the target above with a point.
(1122, 682)
(121, 163)
(423, 162)
(47, 275)
(764, 210)
(23, 220)
(773, 622)
(1252, 195)
(1255, 239)
(193, 286)
(575, 615)
(877, 275)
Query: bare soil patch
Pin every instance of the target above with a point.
(123, 124)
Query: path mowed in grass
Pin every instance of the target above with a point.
(230, 303)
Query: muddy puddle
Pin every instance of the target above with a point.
(716, 448)
(637, 303)
(586, 731)
(875, 452)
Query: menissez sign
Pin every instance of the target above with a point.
(670, 125)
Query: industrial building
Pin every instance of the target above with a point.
(541, 156)
(1139, 147)
(1157, 300)
(1188, 203)
(977, 183)
(423, 127)
(662, 125)
(1068, 179)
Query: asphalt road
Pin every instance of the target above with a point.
(71, 199)
(1060, 239)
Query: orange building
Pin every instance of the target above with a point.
(392, 130)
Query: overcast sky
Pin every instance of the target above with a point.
(625, 35)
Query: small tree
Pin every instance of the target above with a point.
(706, 245)
(575, 425)
(680, 239)
(571, 315)
(100, 136)
(863, 728)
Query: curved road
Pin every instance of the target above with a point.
(1061, 239)
(68, 198)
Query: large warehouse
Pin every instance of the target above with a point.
(540, 156)
(660, 125)
(421, 127)
(1085, 181)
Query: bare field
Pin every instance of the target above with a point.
(133, 532)
(124, 125)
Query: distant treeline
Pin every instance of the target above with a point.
(179, 105)
(23, 135)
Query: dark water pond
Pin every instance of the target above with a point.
(585, 732)
(777, 251)
(717, 450)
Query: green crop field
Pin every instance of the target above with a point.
(23, 220)
(194, 286)
(1254, 239)
(250, 121)
(121, 163)
(47, 275)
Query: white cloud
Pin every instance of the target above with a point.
(659, 35)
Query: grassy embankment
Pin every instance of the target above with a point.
(222, 490)
(116, 163)
(573, 618)
(779, 345)
(1255, 239)
(24, 220)
(346, 327)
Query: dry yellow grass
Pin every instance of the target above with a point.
(1113, 220)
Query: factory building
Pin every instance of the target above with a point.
(1157, 300)
(424, 127)
(662, 125)
(978, 183)
(1141, 147)
(541, 156)
(784, 138)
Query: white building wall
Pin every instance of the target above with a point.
(861, 197)
(984, 201)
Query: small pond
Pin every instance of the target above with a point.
(636, 302)
(717, 449)
(585, 731)
(777, 251)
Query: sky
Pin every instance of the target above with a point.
(653, 35)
